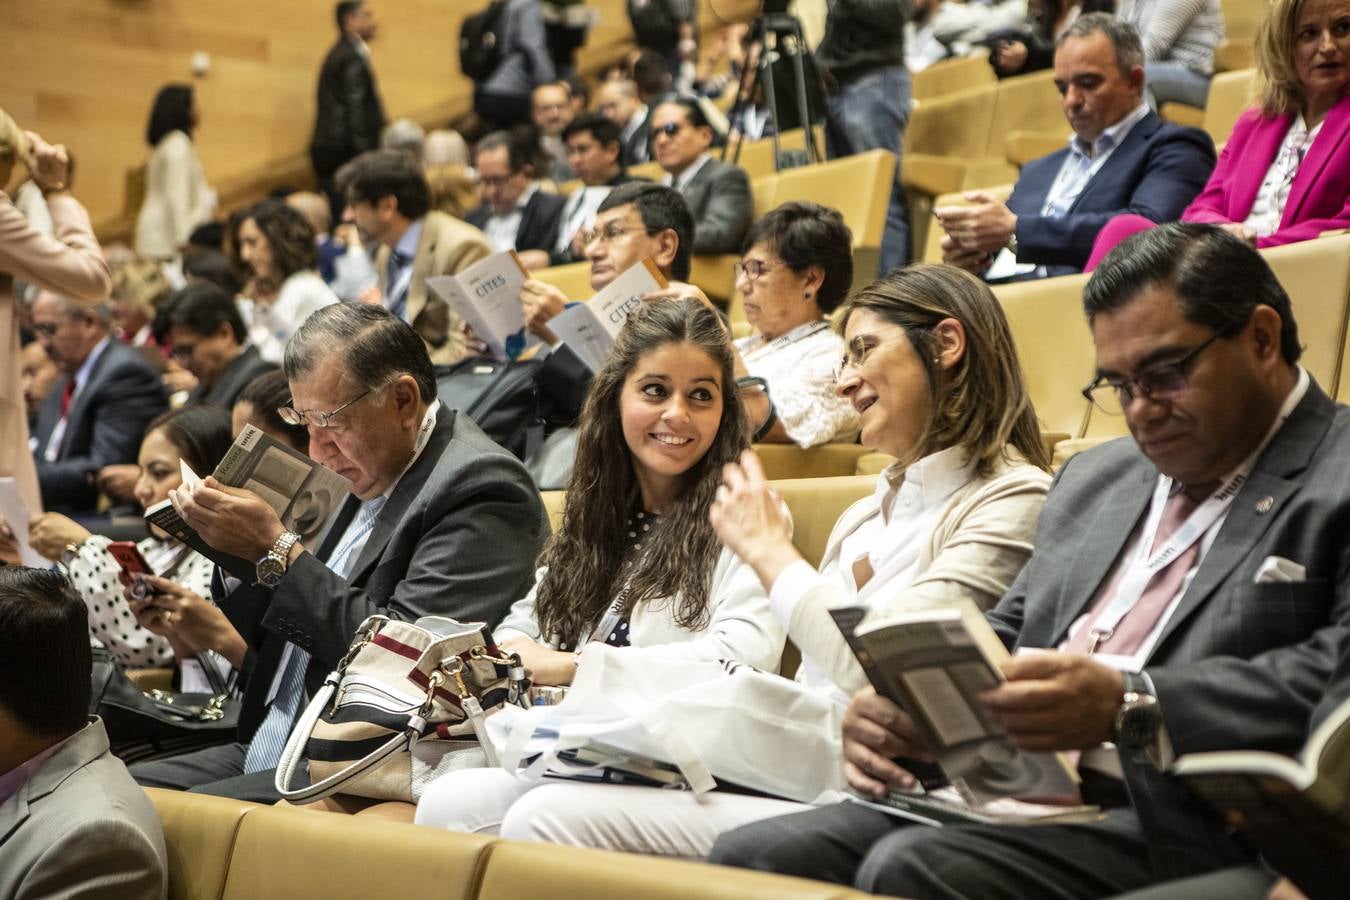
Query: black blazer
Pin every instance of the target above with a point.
(106, 423)
(637, 149)
(458, 537)
(719, 198)
(349, 114)
(242, 369)
(538, 221)
(1241, 663)
(1155, 172)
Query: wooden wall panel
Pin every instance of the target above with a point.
(84, 72)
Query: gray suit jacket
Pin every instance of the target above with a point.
(1239, 664)
(458, 537)
(106, 423)
(80, 827)
(719, 197)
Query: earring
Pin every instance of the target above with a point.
(806, 295)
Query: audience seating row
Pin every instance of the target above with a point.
(229, 850)
(1229, 94)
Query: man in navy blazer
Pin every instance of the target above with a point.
(1121, 159)
(96, 415)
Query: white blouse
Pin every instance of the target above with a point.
(799, 367)
(1271, 199)
(94, 573)
(272, 325)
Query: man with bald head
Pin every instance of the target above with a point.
(96, 414)
(618, 101)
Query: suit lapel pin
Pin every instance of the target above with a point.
(1264, 505)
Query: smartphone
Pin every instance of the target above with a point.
(129, 557)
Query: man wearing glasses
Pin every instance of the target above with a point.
(441, 522)
(202, 326)
(1188, 592)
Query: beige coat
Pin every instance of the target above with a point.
(70, 263)
(177, 197)
(976, 548)
(447, 247)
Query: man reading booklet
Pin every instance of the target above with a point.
(1188, 592)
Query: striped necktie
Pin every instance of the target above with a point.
(264, 751)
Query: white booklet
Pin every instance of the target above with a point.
(487, 296)
(15, 512)
(589, 328)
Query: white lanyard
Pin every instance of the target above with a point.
(800, 333)
(1145, 565)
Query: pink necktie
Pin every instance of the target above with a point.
(1139, 621)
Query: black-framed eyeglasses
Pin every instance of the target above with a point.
(1160, 383)
(752, 269)
(314, 418)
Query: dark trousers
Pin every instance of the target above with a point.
(848, 843)
(218, 771)
(499, 111)
(1241, 883)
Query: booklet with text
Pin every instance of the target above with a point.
(934, 663)
(589, 329)
(487, 296)
(304, 494)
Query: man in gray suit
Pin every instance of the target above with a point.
(441, 522)
(718, 193)
(1189, 592)
(72, 822)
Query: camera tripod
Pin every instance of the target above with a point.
(778, 35)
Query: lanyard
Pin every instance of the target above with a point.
(1146, 564)
(800, 333)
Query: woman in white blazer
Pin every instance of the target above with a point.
(177, 197)
(929, 365)
(636, 562)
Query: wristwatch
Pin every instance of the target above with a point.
(272, 567)
(1139, 718)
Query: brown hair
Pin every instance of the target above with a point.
(587, 558)
(1276, 88)
(981, 404)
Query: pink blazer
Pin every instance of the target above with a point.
(1319, 199)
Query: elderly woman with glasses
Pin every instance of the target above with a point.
(794, 272)
(931, 368)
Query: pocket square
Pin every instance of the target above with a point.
(1280, 570)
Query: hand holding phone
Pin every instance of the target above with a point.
(133, 564)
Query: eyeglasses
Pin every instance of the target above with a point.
(1161, 383)
(46, 329)
(670, 129)
(751, 269)
(855, 354)
(292, 416)
(183, 351)
(607, 235)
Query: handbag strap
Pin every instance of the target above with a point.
(294, 751)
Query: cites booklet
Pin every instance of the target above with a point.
(589, 328)
(1295, 811)
(934, 663)
(304, 494)
(487, 296)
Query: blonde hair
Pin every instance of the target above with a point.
(13, 142)
(982, 404)
(141, 283)
(1277, 89)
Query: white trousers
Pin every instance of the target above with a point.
(606, 816)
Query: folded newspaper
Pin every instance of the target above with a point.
(304, 494)
(589, 328)
(934, 663)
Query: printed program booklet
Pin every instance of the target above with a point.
(934, 663)
(1295, 811)
(304, 494)
(487, 296)
(589, 329)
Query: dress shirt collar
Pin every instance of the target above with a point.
(87, 367)
(935, 477)
(634, 122)
(1110, 138)
(16, 778)
(407, 244)
(688, 174)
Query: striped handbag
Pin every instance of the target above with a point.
(405, 705)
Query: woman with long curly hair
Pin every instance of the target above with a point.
(636, 562)
(277, 244)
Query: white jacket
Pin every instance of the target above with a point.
(741, 627)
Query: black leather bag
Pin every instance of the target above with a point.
(151, 725)
(503, 399)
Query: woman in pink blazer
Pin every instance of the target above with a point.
(69, 263)
(1284, 175)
